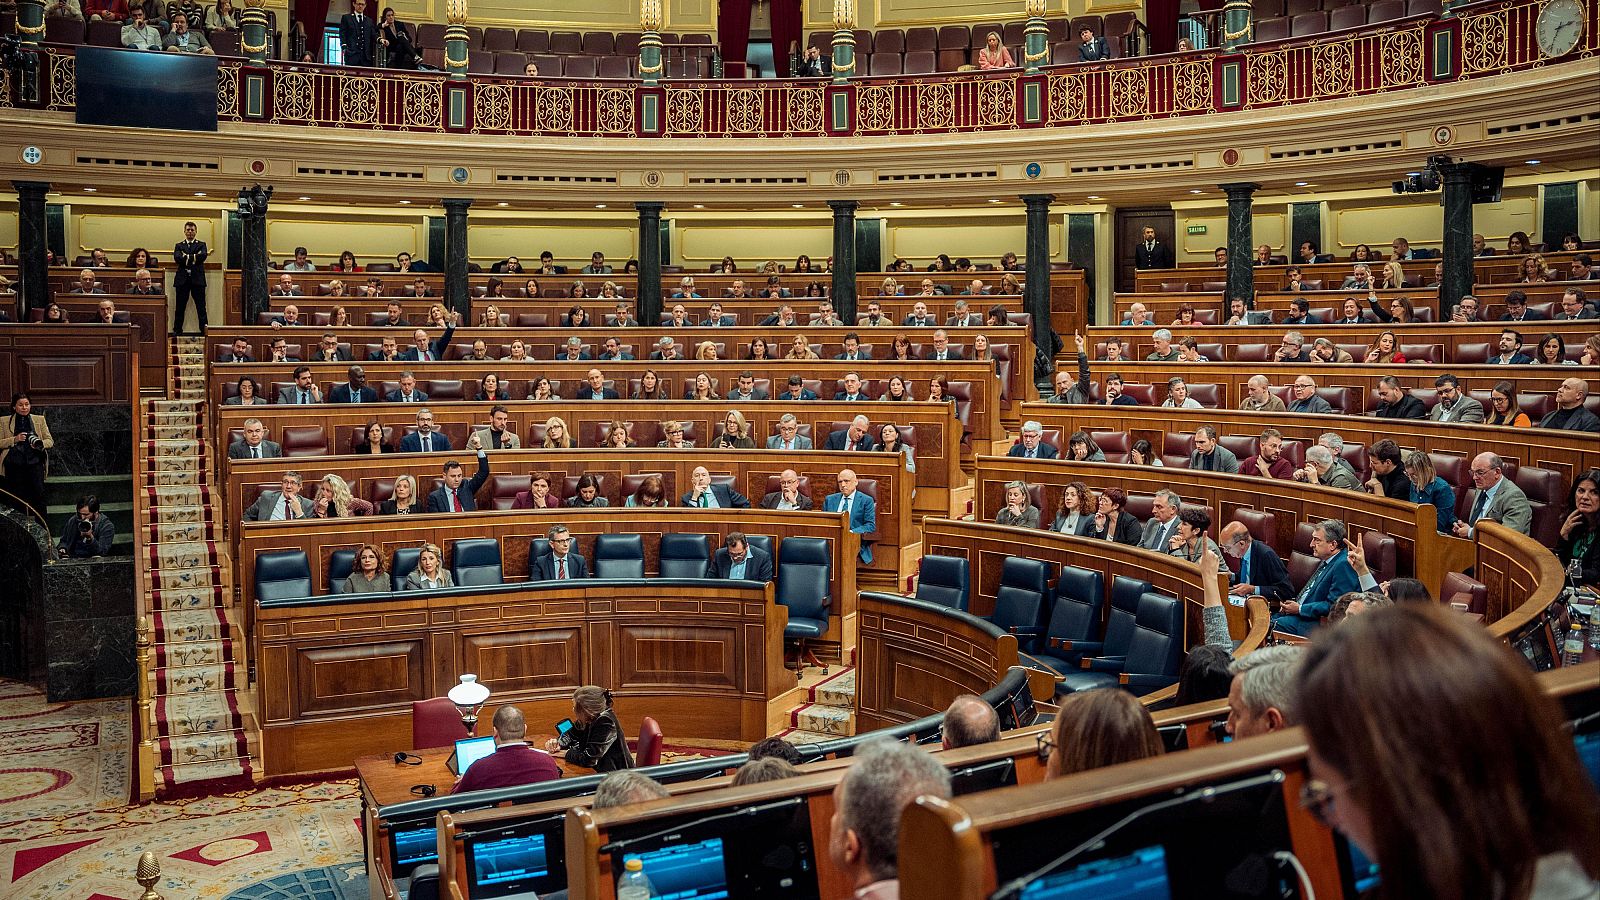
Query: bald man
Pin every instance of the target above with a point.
(969, 721)
(513, 761)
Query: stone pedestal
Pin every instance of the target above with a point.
(649, 303)
(1457, 178)
(1036, 290)
(32, 272)
(844, 258)
(1241, 237)
(89, 628)
(457, 292)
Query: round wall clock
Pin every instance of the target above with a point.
(1560, 27)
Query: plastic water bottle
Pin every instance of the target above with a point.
(634, 885)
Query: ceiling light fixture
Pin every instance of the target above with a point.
(305, 198)
(1196, 191)
(1302, 184)
(1534, 162)
(405, 202)
(199, 193)
(89, 190)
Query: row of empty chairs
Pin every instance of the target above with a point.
(1303, 18)
(555, 43)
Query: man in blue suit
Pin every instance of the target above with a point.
(1032, 445)
(560, 563)
(1261, 572)
(425, 439)
(738, 560)
(354, 391)
(458, 494)
(422, 351)
(797, 390)
(1333, 579)
(861, 511)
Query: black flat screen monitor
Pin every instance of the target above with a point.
(142, 89)
(1140, 875)
(517, 860)
(412, 847)
(753, 852)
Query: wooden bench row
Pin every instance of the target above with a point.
(1499, 269)
(1457, 344)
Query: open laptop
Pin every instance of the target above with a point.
(469, 751)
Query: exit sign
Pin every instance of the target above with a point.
(1195, 229)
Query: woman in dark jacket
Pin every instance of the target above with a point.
(405, 501)
(397, 37)
(374, 442)
(1580, 530)
(1111, 522)
(596, 740)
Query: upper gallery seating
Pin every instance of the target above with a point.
(1277, 20)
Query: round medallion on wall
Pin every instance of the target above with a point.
(841, 177)
(1230, 157)
(1443, 135)
(257, 167)
(652, 178)
(460, 174)
(1034, 170)
(32, 155)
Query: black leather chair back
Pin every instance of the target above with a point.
(618, 556)
(1020, 600)
(1125, 594)
(476, 562)
(283, 575)
(1156, 648)
(1080, 597)
(340, 564)
(684, 555)
(945, 580)
(805, 577)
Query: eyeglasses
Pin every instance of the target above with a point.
(1299, 386)
(1316, 798)
(1046, 745)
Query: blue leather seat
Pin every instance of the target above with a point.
(1074, 618)
(1019, 602)
(1125, 595)
(340, 564)
(476, 562)
(945, 580)
(685, 555)
(403, 563)
(619, 556)
(283, 575)
(763, 542)
(805, 578)
(1155, 650)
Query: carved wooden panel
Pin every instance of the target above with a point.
(680, 655)
(356, 676)
(525, 660)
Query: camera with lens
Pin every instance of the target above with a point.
(85, 526)
(36, 442)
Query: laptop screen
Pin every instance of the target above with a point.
(470, 750)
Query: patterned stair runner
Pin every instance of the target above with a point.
(198, 666)
(829, 710)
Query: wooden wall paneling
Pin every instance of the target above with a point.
(914, 661)
(147, 313)
(64, 365)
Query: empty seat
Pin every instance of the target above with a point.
(532, 40)
(890, 41)
(340, 565)
(1075, 614)
(1471, 593)
(1019, 602)
(1347, 17)
(885, 64)
(618, 556)
(616, 67)
(945, 580)
(1125, 594)
(499, 40)
(435, 722)
(304, 440)
(62, 30)
(1423, 7)
(476, 561)
(480, 62)
(1292, 8)
(109, 34)
(951, 60)
(1385, 10)
(919, 62)
(954, 37)
(283, 575)
(1263, 526)
(805, 587)
(627, 44)
(1154, 652)
(684, 555)
(599, 43)
(1546, 497)
(648, 751)
(430, 34)
(512, 63)
(566, 43)
(579, 67)
(919, 39)
(1271, 30)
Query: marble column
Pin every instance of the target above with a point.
(457, 293)
(844, 41)
(32, 271)
(1457, 177)
(649, 303)
(1241, 235)
(1036, 290)
(253, 31)
(253, 287)
(1237, 24)
(650, 19)
(455, 40)
(844, 258)
(1035, 38)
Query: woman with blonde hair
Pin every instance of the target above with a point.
(1591, 351)
(436, 316)
(706, 352)
(735, 433)
(579, 290)
(336, 288)
(491, 317)
(1394, 275)
(367, 575)
(405, 500)
(889, 288)
(1386, 349)
(1009, 284)
(556, 436)
(334, 500)
(430, 573)
(800, 348)
(1533, 270)
(617, 436)
(596, 740)
(993, 54)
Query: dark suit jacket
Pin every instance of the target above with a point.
(544, 567)
(950, 353)
(412, 443)
(240, 450)
(341, 394)
(389, 507)
(1158, 258)
(757, 566)
(840, 440)
(587, 393)
(190, 258)
(339, 355)
(261, 510)
(396, 397)
(1409, 407)
(621, 355)
(1046, 450)
(770, 501)
(1531, 315)
(438, 346)
(861, 356)
(439, 500)
(727, 497)
(821, 67)
(1268, 573)
(805, 394)
(359, 39)
(858, 398)
(1094, 51)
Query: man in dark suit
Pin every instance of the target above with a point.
(1517, 309)
(240, 353)
(1151, 253)
(613, 351)
(746, 389)
(1574, 306)
(275, 506)
(355, 390)
(254, 444)
(1261, 572)
(942, 350)
(1091, 48)
(789, 436)
(513, 762)
(595, 388)
(425, 439)
(797, 390)
(303, 391)
(736, 559)
(407, 392)
(574, 351)
(787, 496)
(855, 437)
(1032, 445)
(189, 281)
(328, 350)
(716, 318)
(561, 563)
(706, 495)
(814, 65)
(457, 494)
(1163, 522)
(359, 35)
(1395, 402)
(423, 351)
(852, 390)
(853, 351)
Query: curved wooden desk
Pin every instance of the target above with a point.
(914, 657)
(1525, 579)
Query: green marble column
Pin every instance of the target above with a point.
(457, 293)
(844, 40)
(1237, 26)
(844, 258)
(253, 27)
(30, 21)
(253, 298)
(1457, 178)
(649, 303)
(1035, 38)
(455, 40)
(34, 274)
(650, 42)
(1241, 235)
(1036, 290)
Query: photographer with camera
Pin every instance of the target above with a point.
(24, 438)
(87, 533)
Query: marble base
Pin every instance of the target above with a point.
(23, 544)
(90, 639)
(91, 440)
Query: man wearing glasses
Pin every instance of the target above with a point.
(1332, 579)
(560, 564)
(1305, 397)
(1292, 350)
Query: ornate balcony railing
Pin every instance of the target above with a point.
(1483, 39)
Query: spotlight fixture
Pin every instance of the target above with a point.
(1534, 162)
(1424, 181)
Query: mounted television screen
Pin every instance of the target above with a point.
(142, 89)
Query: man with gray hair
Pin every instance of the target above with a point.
(788, 436)
(1163, 521)
(1322, 468)
(1332, 579)
(1499, 498)
(1292, 349)
(856, 437)
(1326, 351)
(1261, 698)
(1260, 397)
(864, 834)
(1164, 351)
(626, 788)
(968, 721)
(1032, 445)
(1335, 444)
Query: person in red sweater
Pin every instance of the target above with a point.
(1269, 461)
(513, 761)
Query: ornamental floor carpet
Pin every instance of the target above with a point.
(60, 760)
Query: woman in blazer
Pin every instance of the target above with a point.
(596, 740)
(889, 441)
(374, 443)
(405, 500)
(24, 445)
(249, 394)
(1111, 522)
(430, 573)
(368, 576)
